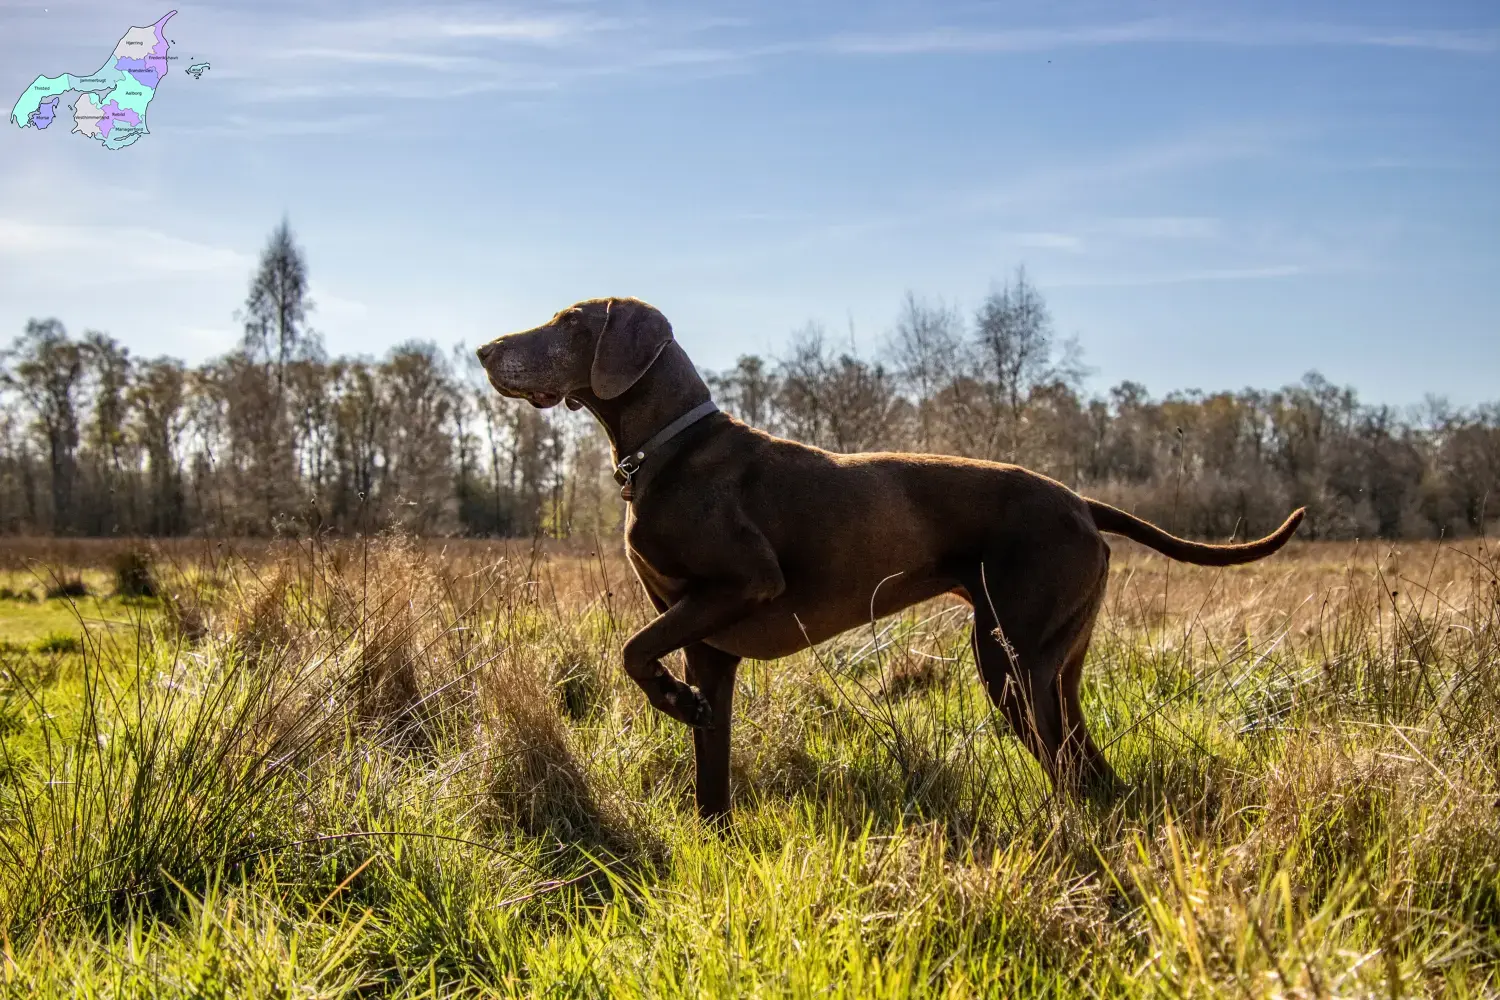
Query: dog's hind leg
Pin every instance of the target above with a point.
(712, 672)
(1030, 638)
(1081, 762)
(1010, 671)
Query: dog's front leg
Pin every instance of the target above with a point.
(695, 617)
(712, 671)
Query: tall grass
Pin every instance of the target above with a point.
(391, 768)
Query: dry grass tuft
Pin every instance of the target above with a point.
(422, 763)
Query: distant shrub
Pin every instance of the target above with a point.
(916, 674)
(134, 574)
(186, 614)
(71, 587)
(576, 677)
(58, 642)
(24, 595)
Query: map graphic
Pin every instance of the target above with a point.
(111, 104)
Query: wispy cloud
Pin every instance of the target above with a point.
(401, 51)
(431, 61)
(974, 39)
(1105, 235)
(1070, 206)
(984, 39)
(410, 25)
(1162, 227)
(149, 249)
(1049, 241)
(1181, 277)
(527, 29)
(1149, 160)
(406, 52)
(285, 125)
(330, 304)
(1479, 41)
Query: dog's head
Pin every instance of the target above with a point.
(601, 345)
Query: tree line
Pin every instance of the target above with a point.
(277, 437)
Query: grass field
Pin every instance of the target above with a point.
(416, 770)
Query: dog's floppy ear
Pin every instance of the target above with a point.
(634, 335)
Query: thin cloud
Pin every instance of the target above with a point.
(336, 306)
(411, 25)
(1113, 230)
(528, 30)
(467, 48)
(377, 57)
(954, 39)
(150, 250)
(282, 125)
(495, 79)
(1258, 273)
(460, 50)
(1474, 41)
(1043, 193)
(1162, 227)
(1049, 241)
(1179, 154)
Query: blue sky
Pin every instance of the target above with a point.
(1211, 195)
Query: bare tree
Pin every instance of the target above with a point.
(46, 371)
(274, 436)
(310, 399)
(836, 401)
(19, 487)
(158, 400)
(111, 507)
(277, 306)
(926, 348)
(418, 445)
(748, 390)
(263, 433)
(1020, 353)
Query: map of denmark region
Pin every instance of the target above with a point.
(45, 112)
(43, 90)
(111, 106)
(87, 115)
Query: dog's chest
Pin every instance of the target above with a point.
(663, 585)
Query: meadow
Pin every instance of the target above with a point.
(403, 768)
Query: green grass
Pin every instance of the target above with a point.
(395, 774)
(27, 622)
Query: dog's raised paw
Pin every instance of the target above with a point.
(698, 712)
(686, 705)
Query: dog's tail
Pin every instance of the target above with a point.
(1118, 522)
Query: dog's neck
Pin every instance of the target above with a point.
(670, 388)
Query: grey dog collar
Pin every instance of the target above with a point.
(631, 464)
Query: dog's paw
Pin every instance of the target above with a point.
(686, 705)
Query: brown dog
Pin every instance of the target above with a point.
(752, 545)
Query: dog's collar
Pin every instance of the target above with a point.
(628, 466)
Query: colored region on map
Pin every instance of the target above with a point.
(111, 104)
(196, 70)
(45, 112)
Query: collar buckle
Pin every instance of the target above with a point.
(626, 469)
